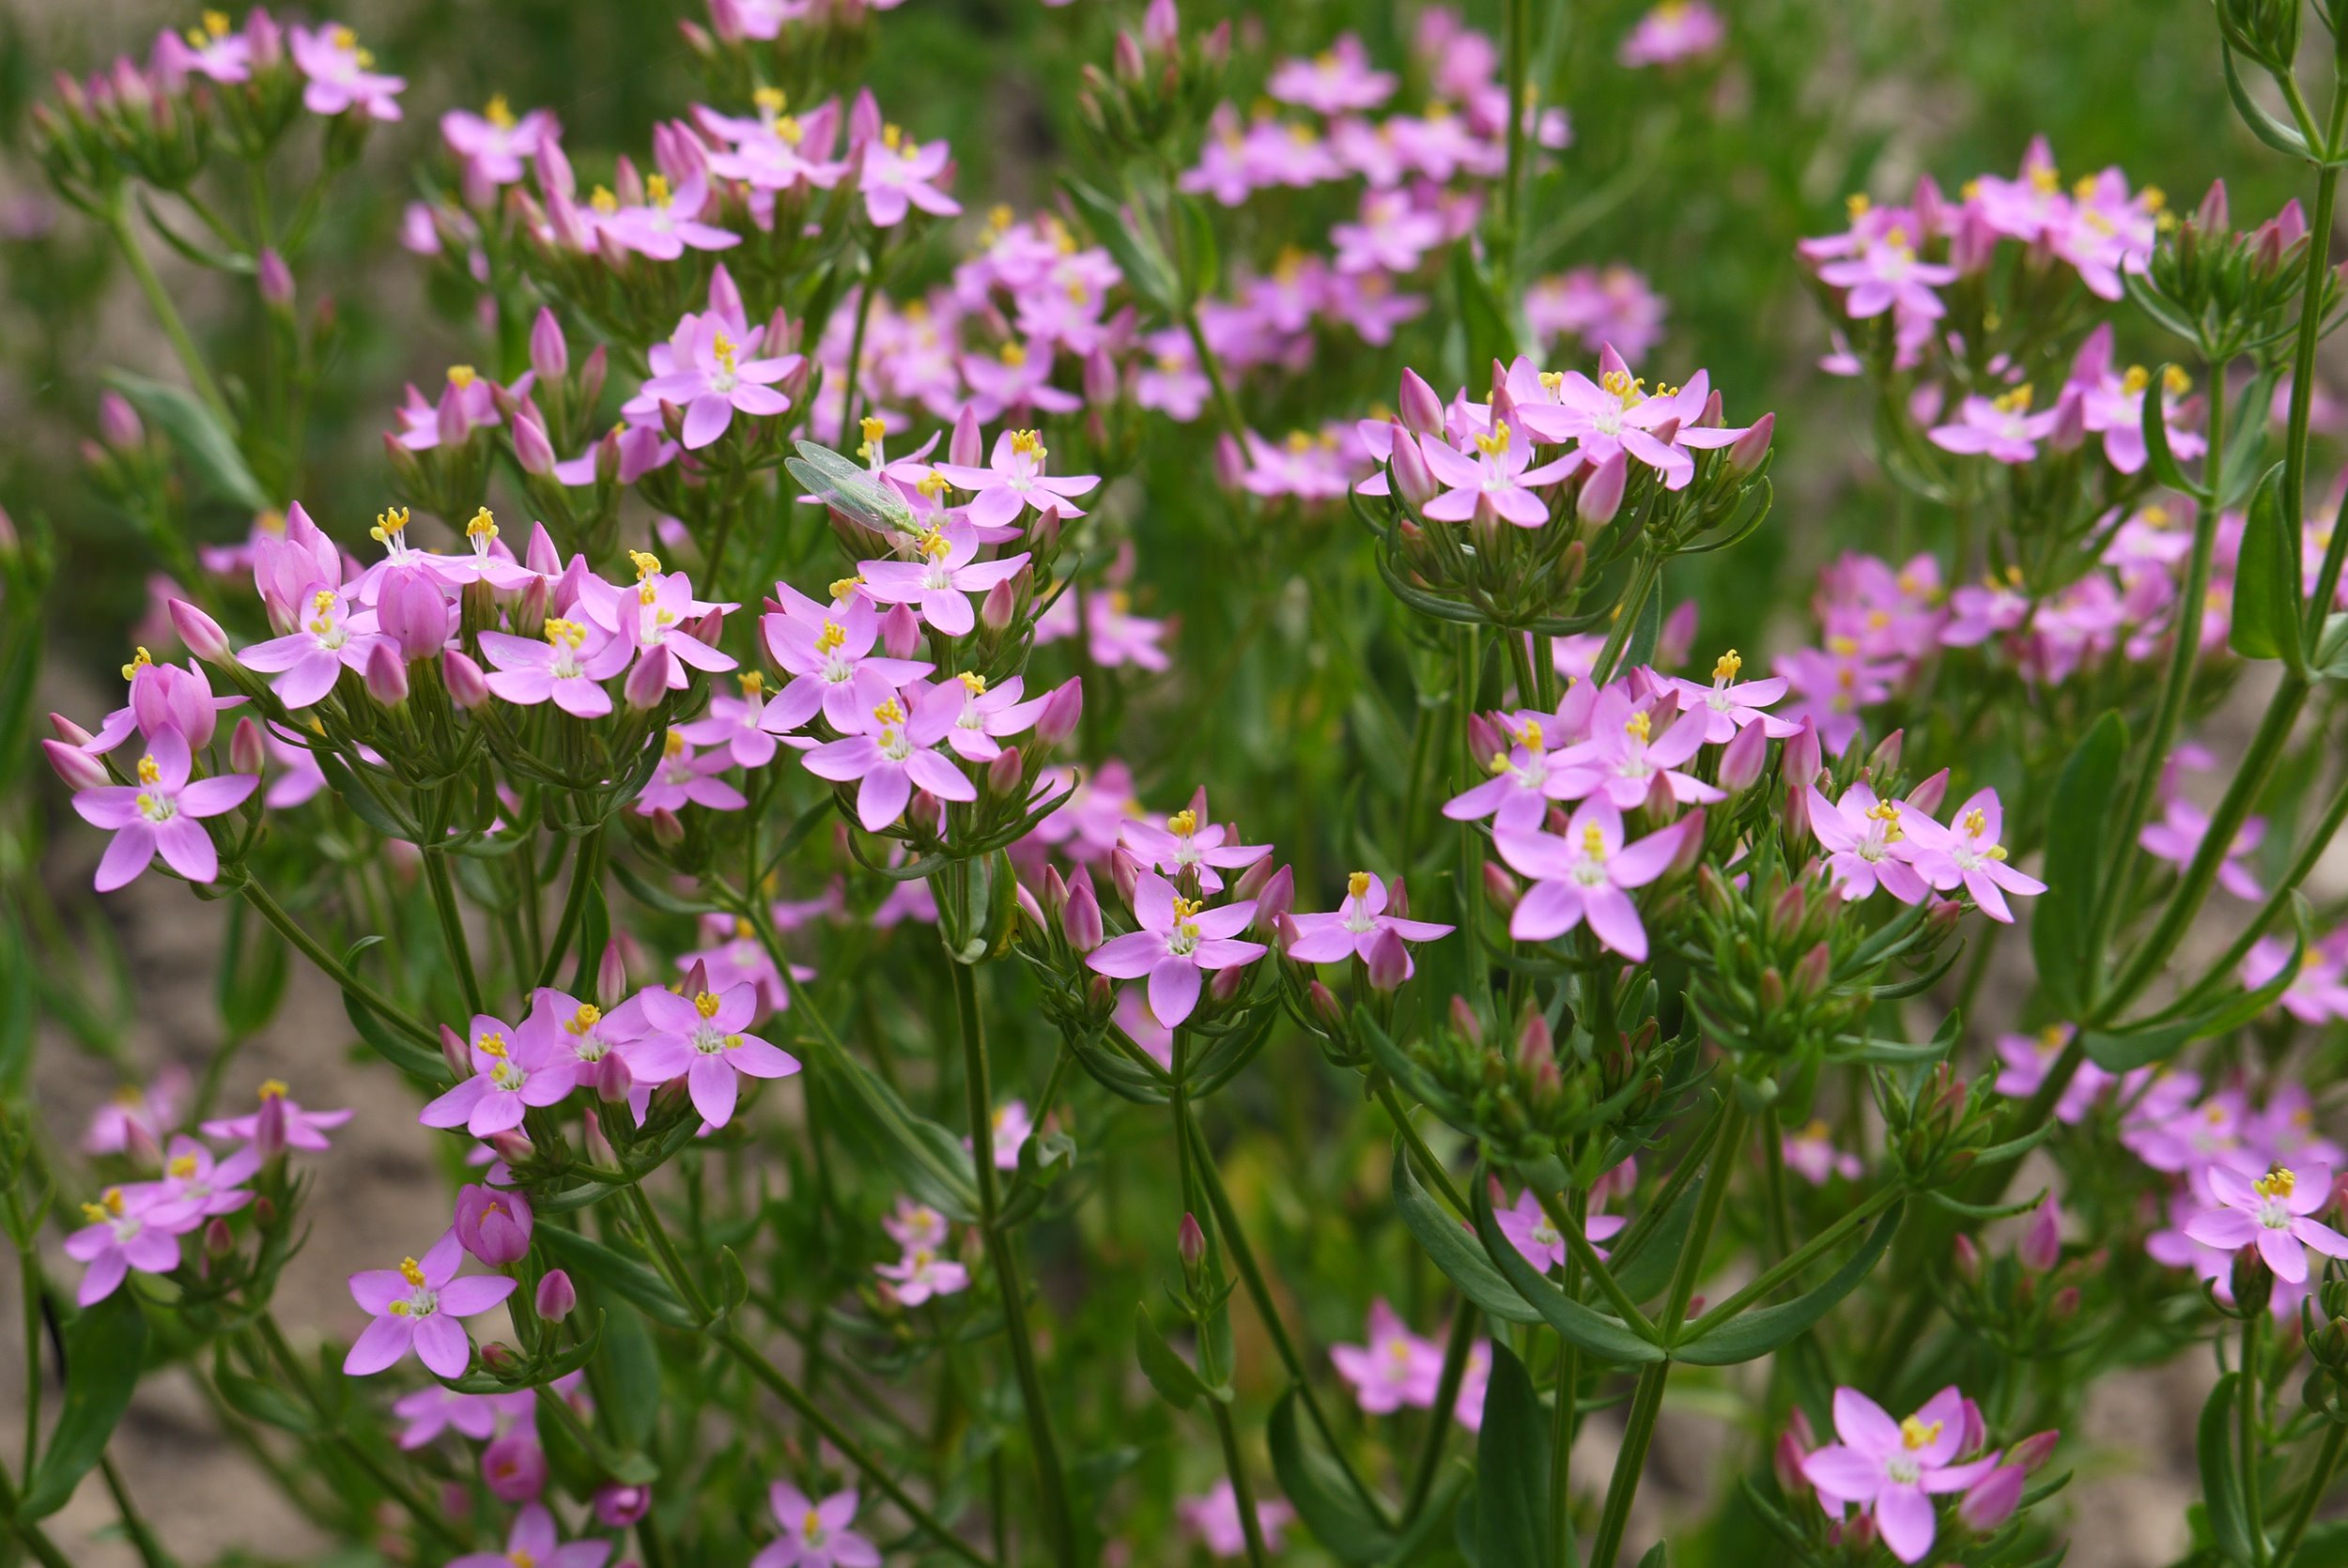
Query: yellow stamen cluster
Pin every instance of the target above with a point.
(1530, 737)
(973, 683)
(769, 101)
(1915, 1434)
(343, 38)
(890, 711)
(1593, 841)
(484, 526)
(933, 484)
(389, 525)
(2175, 382)
(646, 563)
(181, 1168)
(674, 744)
(1887, 813)
(560, 629)
(1357, 886)
(933, 545)
(1014, 355)
(2052, 1036)
(842, 587)
(2044, 180)
(1638, 727)
(657, 189)
(893, 137)
(150, 771)
(1624, 387)
(462, 376)
(1975, 823)
(1728, 665)
(216, 24)
(705, 1004)
(1553, 379)
(831, 638)
(602, 200)
(1496, 443)
(588, 1016)
(491, 1045)
(2014, 402)
(2135, 381)
(410, 1270)
(1183, 824)
(2276, 1183)
(752, 683)
(873, 428)
(498, 112)
(272, 1088)
(1858, 204)
(1187, 909)
(723, 349)
(1027, 443)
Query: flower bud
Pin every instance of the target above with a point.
(1276, 897)
(1421, 408)
(998, 608)
(1801, 760)
(617, 1507)
(2069, 432)
(2041, 1247)
(248, 751)
(218, 1240)
(966, 447)
(1414, 481)
(557, 1296)
(1190, 1243)
(76, 767)
(1967, 1258)
(1501, 890)
(456, 1054)
(1080, 921)
(1746, 452)
(268, 1127)
(1125, 872)
(1792, 1447)
(1811, 972)
(550, 353)
(468, 687)
(514, 1466)
(512, 1145)
(648, 682)
(1486, 744)
(275, 281)
(1463, 1021)
(611, 1081)
(1743, 759)
(1326, 1009)
(386, 675)
(1536, 1044)
(1231, 463)
(1100, 377)
(901, 632)
(1927, 797)
(1691, 850)
(1991, 1500)
(1283, 933)
(1004, 772)
(201, 633)
(1389, 961)
(2034, 1450)
(493, 1225)
(119, 424)
(70, 733)
(1602, 493)
(1229, 983)
(533, 450)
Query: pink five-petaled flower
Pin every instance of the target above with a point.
(1014, 480)
(897, 172)
(984, 714)
(1394, 1369)
(2272, 1212)
(1528, 1228)
(1496, 482)
(193, 1180)
(533, 1544)
(939, 581)
(163, 813)
(1178, 939)
(1728, 704)
(1214, 1517)
(1867, 845)
(1351, 929)
(922, 1275)
(416, 1307)
(282, 1121)
(1189, 841)
(333, 637)
(714, 378)
(340, 74)
(1969, 853)
(2177, 838)
(2001, 428)
(1893, 1468)
(701, 1040)
(815, 1534)
(828, 654)
(569, 666)
(893, 753)
(124, 1233)
(1623, 757)
(666, 222)
(1886, 275)
(508, 1079)
(1615, 413)
(1588, 874)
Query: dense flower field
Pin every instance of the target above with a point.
(1089, 878)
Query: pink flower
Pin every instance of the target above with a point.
(2001, 428)
(1177, 941)
(1394, 1369)
(1014, 481)
(891, 753)
(1886, 275)
(1811, 1154)
(1189, 841)
(915, 1224)
(1213, 1518)
(687, 778)
(495, 145)
(213, 50)
(1113, 634)
(134, 1112)
(1867, 844)
(2272, 1213)
(1334, 81)
(1527, 1226)
(279, 1120)
(333, 637)
(1349, 930)
(2316, 994)
(940, 582)
(163, 812)
(123, 1234)
(1728, 704)
(1595, 308)
(195, 1182)
(735, 725)
(666, 222)
(416, 1307)
(922, 1275)
(701, 1041)
(2177, 839)
(1393, 235)
(826, 652)
(1588, 874)
(493, 1224)
(1010, 1129)
(340, 75)
(535, 1541)
(712, 379)
(433, 1409)
(1675, 30)
(163, 697)
(1615, 413)
(509, 1077)
(568, 666)
(984, 714)
(1969, 853)
(1522, 784)
(1497, 481)
(815, 1534)
(897, 172)
(2026, 1059)
(1621, 762)
(1894, 1470)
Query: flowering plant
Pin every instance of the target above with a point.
(753, 762)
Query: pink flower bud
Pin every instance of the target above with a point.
(2070, 426)
(1967, 1258)
(1975, 242)
(1744, 758)
(610, 975)
(248, 750)
(533, 450)
(2041, 1247)
(1125, 57)
(493, 1225)
(1785, 1460)
(1602, 493)
(998, 608)
(218, 1240)
(1160, 28)
(512, 1145)
(1691, 831)
(275, 281)
(268, 1127)
(557, 1296)
(514, 1467)
(611, 1080)
(901, 632)
(550, 353)
(2212, 216)
(119, 424)
(1190, 1241)
(1228, 983)
(70, 733)
(1231, 463)
(966, 447)
(1326, 1009)
(1080, 921)
(1501, 890)
(2034, 1450)
(386, 675)
(1972, 1433)
(1884, 760)
(1928, 796)
(1536, 1044)
(201, 633)
(1125, 871)
(265, 42)
(1745, 454)
(78, 768)
(1991, 1500)
(590, 376)
(1004, 772)
(1389, 961)
(1421, 408)
(648, 681)
(1812, 971)
(1463, 1021)
(1282, 930)
(617, 1507)
(456, 1054)
(1801, 760)
(468, 687)
(1414, 481)
(1063, 709)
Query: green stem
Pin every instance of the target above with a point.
(453, 927)
(166, 314)
(309, 947)
(1646, 1403)
(1059, 1523)
(1517, 42)
(2302, 368)
(36, 1540)
(1420, 1154)
(1226, 406)
(1454, 1355)
(864, 298)
(1643, 578)
(1243, 1258)
(1561, 1417)
(28, 1264)
(2311, 1493)
(143, 1539)
(2246, 1407)
(1243, 1493)
(586, 872)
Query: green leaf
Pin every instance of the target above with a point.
(105, 1351)
(253, 975)
(2283, 138)
(2154, 419)
(2331, 647)
(849, 489)
(1323, 1502)
(2124, 1050)
(1758, 1331)
(1608, 1338)
(209, 449)
(927, 1160)
(1512, 1461)
(1172, 1375)
(418, 1063)
(1199, 263)
(1657, 1555)
(1646, 1270)
(1135, 252)
(2265, 622)
(258, 1401)
(2059, 931)
(2221, 1480)
(1490, 335)
(1454, 1249)
(630, 1367)
(614, 1271)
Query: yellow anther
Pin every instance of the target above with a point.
(149, 771)
(933, 484)
(588, 1016)
(1357, 886)
(1857, 205)
(1976, 823)
(182, 1168)
(461, 377)
(890, 711)
(602, 200)
(2175, 382)
(343, 38)
(843, 587)
(519, 1558)
(140, 659)
(646, 563)
(1624, 387)
(1530, 736)
(1496, 443)
(1551, 379)
(389, 525)
(560, 629)
(1026, 442)
(657, 189)
(322, 601)
(498, 112)
(94, 1214)
(410, 1270)
(752, 683)
(831, 638)
(272, 1088)
(743, 929)
(2014, 402)
(721, 348)
(484, 526)
(1014, 355)
(673, 745)
(505, 1075)
(1185, 908)
(973, 683)
(998, 218)
(1299, 441)
(112, 1198)
(1815, 1132)
(705, 1004)
(1728, 665)
(1915, 1433)
(2151, 198)
(872, 426)
(1593, 841)
(892, 137)
(769, 101)
(1638, 726)
(934, 545)
(491, 1045)
(2135, 381)
(2276, 1183)
(216, 23)
(1183, 824)
(2046, 180)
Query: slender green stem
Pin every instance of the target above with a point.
(143, 1539)
(1577, 1247)
(333, 967)
(1420, 1154)
(2286, 888)
(1226, 406)
(586, 872)
(1802, 1256)
(28, 1265)
(1517, 43)
(1243, 1493)
(864, 298)
(1643, 578)
(1243, 1258)
(166, 314)
(2303, 366)
(2311, 1493)
(453, 927)
(2246, 1407)
(1454, 1357)
(1647, 1401)
(1561, 1417)
(1059, 1523)
(36, 1540)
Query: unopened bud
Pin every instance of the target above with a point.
(219, 1242)
(1190, 1242)
(1326, 1009)
(618, 1507)
(901, 632)
(1537, 1043)
(1602, 493)
(456, 1053)
(248, 752)
(1991, 1500)
(1004, 772)
(1463, 1021)
(1743, 759)
(1414, 481)
(1967, 1258)
(119, 424)
(557, 1296)
(1063, 709)
(1277, 897)
(2041, 1247)
(268, 1127)
(386, 675)
(610, 975)
(1746, 452)
(2034, 1450)
(1802, 760)
(1389, 961)
(1501, 890)
(1421, 410)
(201, 633)
(275, 281)
(512, 1145)
(76, 767)
(998, 608)
(1080, 921)
(1124, 872)
(534, 451)
(549, 352)
(648, 681)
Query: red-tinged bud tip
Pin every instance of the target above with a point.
(557, 1296)
(201, 633)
